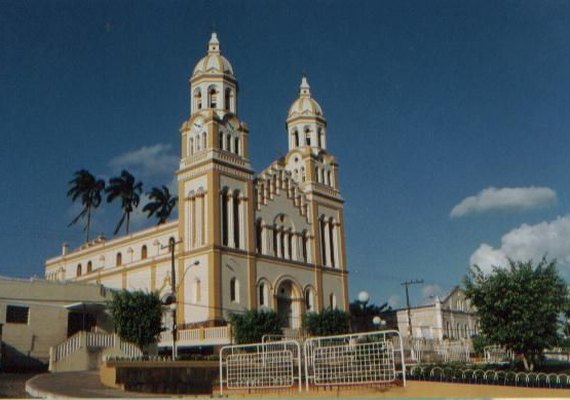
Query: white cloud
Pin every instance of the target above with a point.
(148, 160)
(550, 238)
(429, 292)
(491, 199)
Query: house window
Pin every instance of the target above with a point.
(119, 259)
(144, 252)
(17, 314)
(332, 301)
(89, 267)
(78, 270)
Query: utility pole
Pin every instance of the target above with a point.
(406, 284)
(171, 245)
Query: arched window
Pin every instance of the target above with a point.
(228, 143)
(221, 141)
(234, 290)
(236, 145)
(309, 300)
(224, 210)
(204, 140)
(227, 98)
(212, 94)
(119, 259)
(198, 99)
(191, 146)
(237, 221)
(307, 136)
(78, 271)
(332, 243)
(319, 140)
(258, 236)
(304, 245)
(332, 301)
(89, 267)
(262, 299)
(197, 143)
(295, 138)
(144, 252)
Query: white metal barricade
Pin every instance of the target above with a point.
(270, 365)
(354, 359)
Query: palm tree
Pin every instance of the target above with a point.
(85, 186)
(162, 205)
(128, 190)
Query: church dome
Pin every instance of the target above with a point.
(305, 105)
(213, 62)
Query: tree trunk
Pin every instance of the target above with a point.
(88, 225)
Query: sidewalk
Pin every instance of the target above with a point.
(76, 384)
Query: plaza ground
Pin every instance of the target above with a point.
(88, 385)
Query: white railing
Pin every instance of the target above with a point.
(90, 341)
(497, 354)
(216, 335)
(130, 349)
(355, 359)
(98, 339)
(66, 348)
(260, 366)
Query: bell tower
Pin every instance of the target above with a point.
(214, 181)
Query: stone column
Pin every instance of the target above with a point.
(242, 225)
(230, 214)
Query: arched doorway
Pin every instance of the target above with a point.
(288, 307)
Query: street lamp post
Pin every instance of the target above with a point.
(171, 244)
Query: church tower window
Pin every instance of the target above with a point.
(204, 140)
(212, 94)
(295, 139)
(191, 146)
(227, 98)
(198, 99)
(236, 145)
(236, 221)
(332, 243)
(224, 209)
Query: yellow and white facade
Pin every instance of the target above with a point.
(244, 240)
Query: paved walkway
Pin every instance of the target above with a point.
(75, 384)
(87, 385)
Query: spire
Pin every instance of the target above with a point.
(304, 89)
(214, 44)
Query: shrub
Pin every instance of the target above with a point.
(327, 322)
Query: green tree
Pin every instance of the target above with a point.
(124, 187)
(162, 204)
(327, 322)
(519, 306)
(86, 187)
(137, 316)
(361, 315)
(251, 325)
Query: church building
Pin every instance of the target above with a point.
(244, 240)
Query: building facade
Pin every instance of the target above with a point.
(452, 318)
(274, 239)
(36, 314)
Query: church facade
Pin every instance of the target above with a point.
(274, 239)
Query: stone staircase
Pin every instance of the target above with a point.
(85, 350)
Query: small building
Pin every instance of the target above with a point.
(36, 314)
(451, 318)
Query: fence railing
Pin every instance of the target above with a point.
(489, 377)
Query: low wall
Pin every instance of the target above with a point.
(180, 377)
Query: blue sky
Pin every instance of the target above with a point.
(450, 119)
